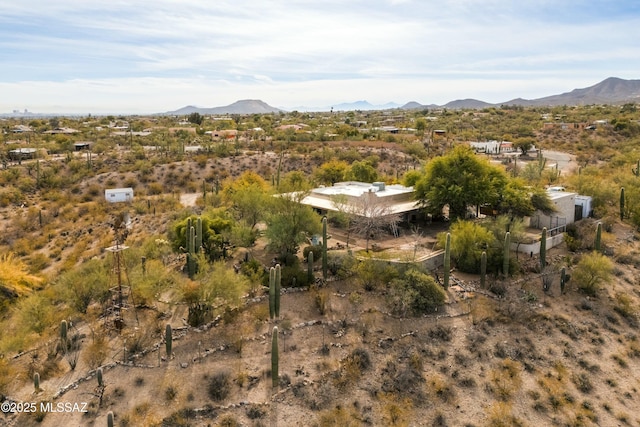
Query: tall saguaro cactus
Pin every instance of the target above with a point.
(198, 237)
(563, 279)
(110, 419)
(505, 258)
(278, 280)
(99, 377)
(64, 326)
(36, 381)
(483, 269)
(272, 292)
(324, 248)
(447, 260)
(310, 267)
(621, 203)
(598, 243)
(274, 357)
(543, 249)
(168, 340)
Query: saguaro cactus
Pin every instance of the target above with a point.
(447, 260)
(483, 269)
(36, 381)
(63, 330)
(543, 249)
(168, 340)
(563, 279)
(324, 248)
(99, 377)
(198, 240)
(272, 292)
(621, 203)
(505, 258)
(274, 358)
(110, 419)
(310, 267)
(278, 280)
(64, 326)
(598, 243)
(636, 170)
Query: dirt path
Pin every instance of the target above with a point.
(189, 199)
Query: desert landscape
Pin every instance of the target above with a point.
(109, 316)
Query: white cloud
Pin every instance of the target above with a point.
(286, 50)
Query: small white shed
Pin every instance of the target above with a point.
(114, 195)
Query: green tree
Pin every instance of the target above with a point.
(524, 144)
(468, 241)
(362, 171)
(85, 284)
(195, 118)
(248, 196)
(459, 179)
(331, 172)
(591, 272)
(290, 223)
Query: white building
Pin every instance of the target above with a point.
(398, 198)
(115, 195)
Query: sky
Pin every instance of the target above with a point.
(137, 57)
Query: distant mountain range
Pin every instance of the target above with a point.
(609, 91)
(245, 106)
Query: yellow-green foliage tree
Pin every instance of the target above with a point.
(331, 172)
(85, 284)
(15, 280)
(216, 284)
(593, 270)
(247, 197)
(468, 241)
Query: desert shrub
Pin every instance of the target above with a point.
(321, 299)
(339, 416)
(84, 285)
(361, 358)
(219, 386)
(500, 415)
(341, 265)
(170, 393)
(414, 293)
(294, 275)
(228, 421)
(583, 383)
(441, 389)
(624, 306)
(96, 351)
(505, 380)
(255, 412)
(155, 188)
(591, 272)
(372, 274)
(316, 249)
(441, 333)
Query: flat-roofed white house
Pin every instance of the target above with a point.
(570, 207)
(397, 198)
(115, 195)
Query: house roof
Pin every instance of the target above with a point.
(398, 197)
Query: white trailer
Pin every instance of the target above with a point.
(115, 195)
